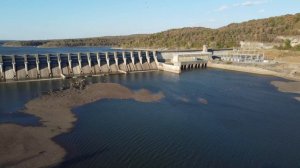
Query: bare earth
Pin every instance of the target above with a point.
(285, 70)
(27, 147)
(289, 87)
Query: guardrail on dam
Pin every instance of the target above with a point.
(39, 66)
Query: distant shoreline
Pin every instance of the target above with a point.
(111, 47)
(187, 37)
(18, 46)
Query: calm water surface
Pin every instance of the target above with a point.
(35, 50)
(246, 122)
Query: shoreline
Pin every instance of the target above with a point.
(253, 70)
(33, 146)
(291, 86)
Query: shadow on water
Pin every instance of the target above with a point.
(81, 158)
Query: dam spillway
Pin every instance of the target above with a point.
(60, 65)
(42, 66)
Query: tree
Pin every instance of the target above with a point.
(287, 44)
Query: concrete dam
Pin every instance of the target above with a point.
(45, 66)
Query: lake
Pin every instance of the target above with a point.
(208, 118)
(36, 50)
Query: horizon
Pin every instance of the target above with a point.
(61, 19)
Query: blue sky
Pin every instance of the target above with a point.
(55, 19)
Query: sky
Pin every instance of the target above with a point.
(60, 19)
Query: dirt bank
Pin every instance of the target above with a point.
(22, 147)
(288, 87)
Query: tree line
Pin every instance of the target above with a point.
(262, 30)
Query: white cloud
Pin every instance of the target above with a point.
(261, 11)
(249, 3)
(243, 4)
(222, 8)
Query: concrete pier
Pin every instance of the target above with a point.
(90, 62)
(1, 69)
(59, 63)
(14, 66)
(116, 60)
(37, 65)
(107, 61)
(41, 66)
(147, 56)
(70, 64)
(132, 57)
(49, 65)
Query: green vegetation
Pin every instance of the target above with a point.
(262, 30)
(296, 48)
(287, 46)
(102, 41)
(2, 42)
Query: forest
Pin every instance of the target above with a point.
(261, 30)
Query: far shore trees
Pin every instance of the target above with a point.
(262, 30)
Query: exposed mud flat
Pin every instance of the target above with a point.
(288, 87)
(24, 147)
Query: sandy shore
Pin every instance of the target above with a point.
(22, 147)
(288, 87)
(254, 70)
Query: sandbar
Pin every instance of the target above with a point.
(288, 87)
(27, 147)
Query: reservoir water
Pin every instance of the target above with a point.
(208, 118)
(36, 50)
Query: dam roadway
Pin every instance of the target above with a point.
(45, 66)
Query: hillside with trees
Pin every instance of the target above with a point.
(262, 30)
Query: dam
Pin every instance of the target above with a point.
(58, 65)
(178, 61)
